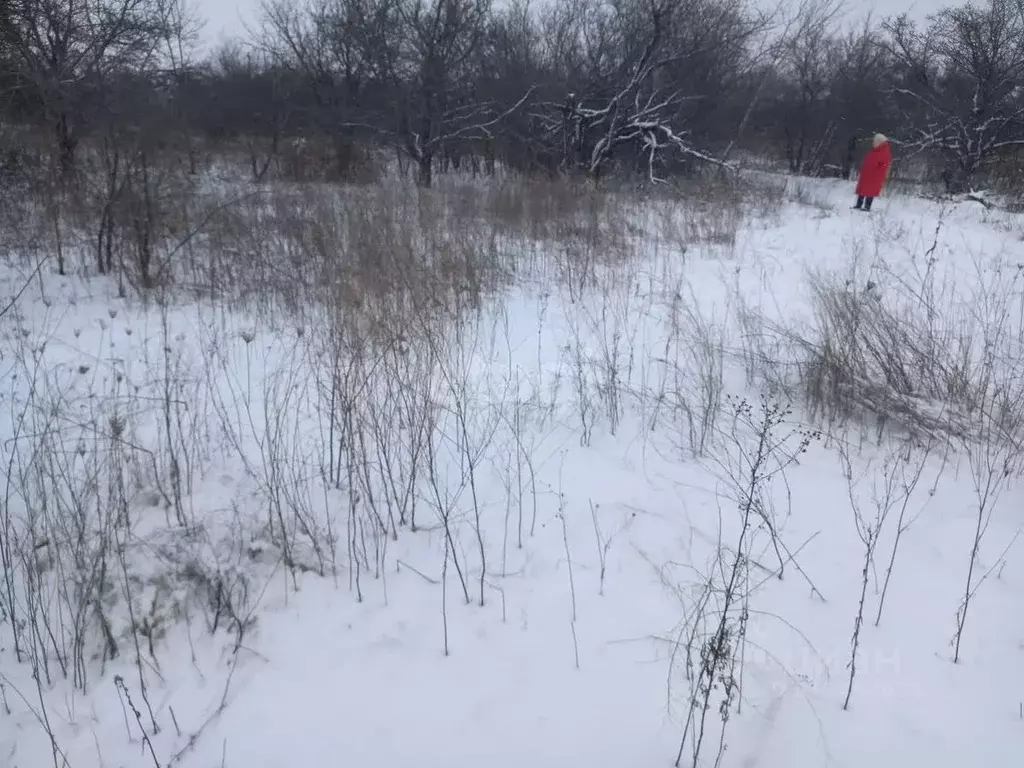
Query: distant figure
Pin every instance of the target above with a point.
(873, 171)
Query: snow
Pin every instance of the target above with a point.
(558, 666)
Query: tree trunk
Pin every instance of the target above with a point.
(105, 237)
(67, 145)
(144, 225)
(425, 170)
(489, 158)
(344, 155)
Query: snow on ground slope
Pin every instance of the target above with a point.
(572, 580)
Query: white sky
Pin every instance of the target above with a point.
(225, 18)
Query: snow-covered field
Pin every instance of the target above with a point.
(575, 511)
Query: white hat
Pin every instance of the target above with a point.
(879, 140)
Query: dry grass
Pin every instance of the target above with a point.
(917, 352)
(355, 399)
(351, 398)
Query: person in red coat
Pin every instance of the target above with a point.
(873, 171)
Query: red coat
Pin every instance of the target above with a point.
(873, 170)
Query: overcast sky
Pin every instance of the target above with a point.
(225, 18)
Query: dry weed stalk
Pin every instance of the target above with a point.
(753, 456)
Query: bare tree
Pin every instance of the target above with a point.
(826, 90)
(253, 104)
(339, 47)
(622, 56)
(179, 40)
(859, 89)
(66, 49)
(434, 74)
(959, 86)
(808, 64)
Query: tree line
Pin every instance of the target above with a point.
(588, 87)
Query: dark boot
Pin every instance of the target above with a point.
(867, 203)
(860, 203)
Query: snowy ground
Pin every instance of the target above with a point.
(578, 508)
